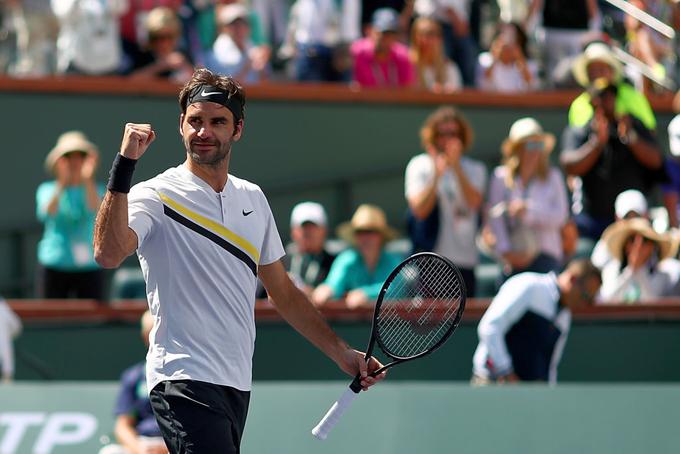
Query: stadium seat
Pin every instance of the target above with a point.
(128, 283)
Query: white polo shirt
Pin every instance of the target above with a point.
(199, 251)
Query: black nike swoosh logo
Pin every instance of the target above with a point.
(246, 213)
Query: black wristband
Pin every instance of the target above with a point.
(120, 176)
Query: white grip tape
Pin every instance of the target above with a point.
(333, 416)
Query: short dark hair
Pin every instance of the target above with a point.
(203, 76)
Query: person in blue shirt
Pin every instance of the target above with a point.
(523, 331)
(358, 273)
(136, 429)
(67, 206)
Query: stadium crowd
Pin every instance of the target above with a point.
(438, 45)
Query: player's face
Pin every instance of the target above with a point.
(208, 131)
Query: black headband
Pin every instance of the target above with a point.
(211, 93)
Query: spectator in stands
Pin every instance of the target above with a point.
(612, 153)
(505, 67)
(319, 33)
(671, 190)
(10, 328)
(208, 23)
(648, 46)
(307, 260)
(136, 429)
(403, 7)
(434, 71)
(566, 25)
(527, 203)
(273, 14)
(454, 18)
(163, 59)
(599, 62)
(379, 59)
(445, 188)
(358, 273)
(89, 37)
(67, 207)
(628, 205)
(36, 30)
(523, 332)
(643, 266)
(233, 52)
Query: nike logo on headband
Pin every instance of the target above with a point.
(208, 93)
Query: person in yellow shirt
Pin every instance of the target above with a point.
(598, 61)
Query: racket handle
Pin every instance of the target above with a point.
(333, 416)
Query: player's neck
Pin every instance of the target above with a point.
(216, 176)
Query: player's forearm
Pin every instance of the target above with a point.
(113, 239)
(126, 435)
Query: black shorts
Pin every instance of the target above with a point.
(200, 418)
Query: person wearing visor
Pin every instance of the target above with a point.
(380, 60)
(66, 206)
(527, 203)
(358, 273)
(203, 237)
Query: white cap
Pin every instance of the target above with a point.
(630, 200)
(674, 135)
(308, 212)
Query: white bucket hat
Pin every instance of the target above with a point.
(595, 52)
(69, 142)
(524, 129)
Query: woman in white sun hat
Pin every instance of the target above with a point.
(67, 206)
(643, 267)
(358, 273)
(527, 203)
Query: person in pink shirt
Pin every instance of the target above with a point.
(379, 59)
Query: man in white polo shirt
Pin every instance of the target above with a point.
(203, 236)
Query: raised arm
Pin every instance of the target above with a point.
(298, 311)
(114, 240)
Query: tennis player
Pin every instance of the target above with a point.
(203, 237)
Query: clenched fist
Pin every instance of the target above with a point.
(136, 139)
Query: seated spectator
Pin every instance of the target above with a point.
(35, 30)
(628, 205)
(380, 60)
(67, 207)
(454, 18)
(611, 154)
(358, 273)
(319, 32)
(233, 52)
(136, 429)
(643, 266)
(10, 328)
(650, 47)
(89, 37)
(163, 59)
(599, 62)
(671, 189)
(445, 188)
(434, 71)
(307, 260)
(527, 203)
(505, 67)
(208, 24)
(524, 330)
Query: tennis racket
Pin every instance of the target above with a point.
(418, 308)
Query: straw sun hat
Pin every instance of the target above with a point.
(616, 235)
(595, 52)
(69, 142)
(523, 130)
(366, 217)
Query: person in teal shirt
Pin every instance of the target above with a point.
(358, 273)
(67, 207)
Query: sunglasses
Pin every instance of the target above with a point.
(73, 154)
(534, 145)
(162, 37)
(451, 133)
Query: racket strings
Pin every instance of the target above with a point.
(419, 307)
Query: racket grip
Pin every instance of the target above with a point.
(322, 429)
